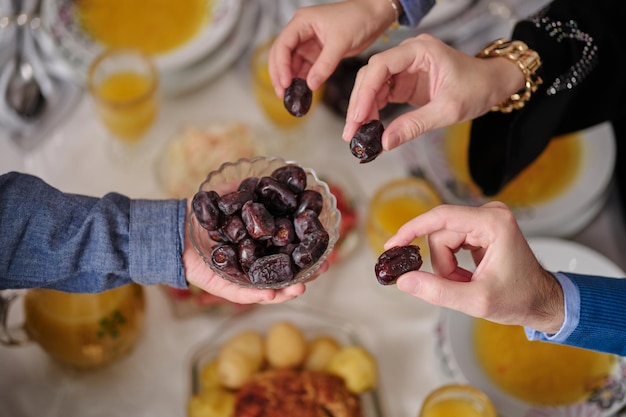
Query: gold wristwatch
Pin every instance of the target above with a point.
(527, 60)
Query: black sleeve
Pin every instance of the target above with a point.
(582, 45)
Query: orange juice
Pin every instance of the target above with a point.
(85, 330)
(457, 400)
(538, 372)
(152, 26)
(127, 106)
(394, 204)
(271, 104)
(546, 177)
(454, 407)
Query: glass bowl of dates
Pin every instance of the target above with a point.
(264, 222)
(283, 360)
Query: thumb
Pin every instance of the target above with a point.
(453, 292)
(412, 124)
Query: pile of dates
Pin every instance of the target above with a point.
(268, 229)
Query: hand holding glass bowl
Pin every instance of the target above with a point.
(123, 84)
(227, 179)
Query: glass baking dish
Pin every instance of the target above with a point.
(311, 321)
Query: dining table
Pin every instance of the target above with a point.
(154, 379)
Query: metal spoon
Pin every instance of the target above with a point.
(23, 93)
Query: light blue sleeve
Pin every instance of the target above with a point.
(78, 243)
(572, 313)
(414, 11)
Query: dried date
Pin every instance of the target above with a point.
(291, 175)
(397, 261)
(271, 269)
(276, 196)
(225, 258)
(367, 143)
(205, 205)
(259, 222)
(298, 97)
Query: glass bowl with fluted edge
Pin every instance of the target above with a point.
(227, 178)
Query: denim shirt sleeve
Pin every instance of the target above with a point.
(77, 243)
(571, 298)
(414, 11)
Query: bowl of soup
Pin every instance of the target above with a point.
(532, 378)
(558, 194)
(177, 33)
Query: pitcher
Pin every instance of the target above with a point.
(84, 331)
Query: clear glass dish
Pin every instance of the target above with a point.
(312, 322)
(227, 178)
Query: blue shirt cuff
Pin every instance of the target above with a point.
(414, 11)
(571, 298)
(156, 241)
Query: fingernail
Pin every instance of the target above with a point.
(393, 140)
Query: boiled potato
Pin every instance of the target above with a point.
(285, 345)
(235, 368)
(356, 366)
(209, 378)
(321, 350)
(213, 403)
(248, 342)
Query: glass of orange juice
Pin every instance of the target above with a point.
(458, 400)
(80, 330)
(272, 105)
(395, 203)
(123, 84)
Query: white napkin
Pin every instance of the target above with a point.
(53, 74)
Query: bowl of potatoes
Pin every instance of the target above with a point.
(282, 360)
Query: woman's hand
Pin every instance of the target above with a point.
(318, 37)
(446, 85)
(508, 286)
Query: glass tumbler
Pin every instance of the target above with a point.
(123, 85)
(395, 203)
(457, 400)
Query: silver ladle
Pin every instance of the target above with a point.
(23, 93)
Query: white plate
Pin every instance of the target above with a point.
(212, 64)
(559, 216)
(224, 16)
(457, 356)
(77, 47)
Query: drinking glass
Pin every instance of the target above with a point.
(458, 400)
(123, 84)
(395, 203)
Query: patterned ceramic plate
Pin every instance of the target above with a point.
(457, 356)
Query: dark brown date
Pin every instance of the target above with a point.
(310, 248)
(367, 141)
(249, 251)
(249, 184)
(298, 97)
(271, 269)
(291, 175)
(307, 222)
(234, 229)
(205, 205)
(259, 222)
(397, 261)
(224, 258)
(284, 232)
(233, 202)
(276, 196)
(310, 200)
